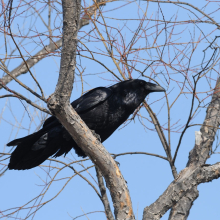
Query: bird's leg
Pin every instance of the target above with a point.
(114, 157)
(96, 135)
(118, 164)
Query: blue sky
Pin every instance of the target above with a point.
(147, 176)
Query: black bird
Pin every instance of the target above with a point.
(102, 109)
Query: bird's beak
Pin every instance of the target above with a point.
(154, 88)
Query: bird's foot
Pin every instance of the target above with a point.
(96, 135)
(118, 164)
(114, 156)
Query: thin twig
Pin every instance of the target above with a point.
(144, 153)
(24, 98)
(162, 138)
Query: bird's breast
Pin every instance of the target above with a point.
(105, 119)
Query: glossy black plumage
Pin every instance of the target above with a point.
(102, 109)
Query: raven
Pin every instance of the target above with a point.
(102, 109)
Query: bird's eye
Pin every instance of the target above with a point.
(141, 83)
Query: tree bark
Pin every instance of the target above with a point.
(104, 197)
(180, 211)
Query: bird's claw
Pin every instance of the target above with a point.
(96, 135)
(118, 164)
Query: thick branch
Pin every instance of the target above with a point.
(61, 108)
(193, 174)
(180, 211)
(98, 154)
(200, 152)
(104, 196)
(100, 157)
(180, 187)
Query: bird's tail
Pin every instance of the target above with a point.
(25, 156)
(20, 140)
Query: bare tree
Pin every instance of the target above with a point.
(177, 50)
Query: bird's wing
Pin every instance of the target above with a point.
(84, 103)
(50, 120)
(91, 99)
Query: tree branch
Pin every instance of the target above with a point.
(190, 5)
(180, 211)
(194, 173)
(144, 153)
(20, 96)
(162, 138)
(43, 53)
(104, 196)
(61, 108)
(22, 68)
(178, 189)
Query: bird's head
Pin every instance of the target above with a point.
(137, 85)
(133, 92)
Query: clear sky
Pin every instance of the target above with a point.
(147, 177)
